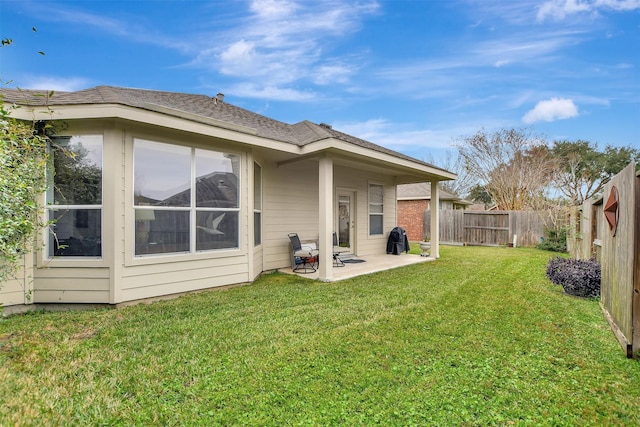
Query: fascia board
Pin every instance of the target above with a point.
(414, 198)
(185, 122)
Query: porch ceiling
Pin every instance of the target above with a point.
(403, 174)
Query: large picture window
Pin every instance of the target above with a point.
(376, 203)
(185, 199)
(74, 196)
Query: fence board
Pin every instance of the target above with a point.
(618, 254)
(488, 228)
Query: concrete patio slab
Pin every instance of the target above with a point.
(371, 264)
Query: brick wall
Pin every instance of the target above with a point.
(410, 217)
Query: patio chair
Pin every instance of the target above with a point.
(337, 262)
(305, 257)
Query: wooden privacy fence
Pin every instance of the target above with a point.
(608, 229)
(491, 228)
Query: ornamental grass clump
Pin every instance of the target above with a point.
(577, 277)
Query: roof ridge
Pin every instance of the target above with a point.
(215, 108)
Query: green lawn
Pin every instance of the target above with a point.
(480, 337)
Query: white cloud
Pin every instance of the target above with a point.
(58, 84)
(619, 5)
(71, 16)
(328, 74)
(396, 136)
(282, 42)
(273, 93)
(272, 9)
(551, 110)
(239, 57)
(560, 9)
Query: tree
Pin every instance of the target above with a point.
(513, 165)
(23, 155)
(583, 171)
(479, 194)
(453, 162)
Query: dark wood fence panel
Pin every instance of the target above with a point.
(619, 254)
(618, 251)
(488, 228)
(451, 225)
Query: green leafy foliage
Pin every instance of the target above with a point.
(583, 170)
(555, 240)
(23, 156)
(479, 194)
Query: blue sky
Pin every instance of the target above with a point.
(414, 76)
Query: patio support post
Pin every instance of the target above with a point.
(434, 207)
(325, 217)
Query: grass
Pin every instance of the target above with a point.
(480, 337)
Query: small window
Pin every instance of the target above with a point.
(74, 198)
(376, 203)
(257, 204)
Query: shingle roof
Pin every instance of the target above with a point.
(300, 134)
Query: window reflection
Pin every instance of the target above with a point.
(216, 230)
(74, 197)
(76, 233)
(161, 231)
(162, 174)
(77, 170)
(216, 179)
(211, 197)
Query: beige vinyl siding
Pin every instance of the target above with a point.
(167, 274)
(78, 280)
(62, 285)
(166, 278)
(17, 290)
(290, 206)
(359, 180)
(257, 262)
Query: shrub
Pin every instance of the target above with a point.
(578, 277)
(554, 240)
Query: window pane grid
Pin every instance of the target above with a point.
(210, 201)
(257, 204)
(376, 209)
(74, 198)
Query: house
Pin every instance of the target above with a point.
(414, 199)
(166, 193)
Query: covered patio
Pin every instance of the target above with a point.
(366, 265)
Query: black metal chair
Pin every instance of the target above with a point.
(337, 262)
(305, 258)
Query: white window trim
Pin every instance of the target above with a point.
(193, 253)
(88, 261)
(381, 214)
(259, 209)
